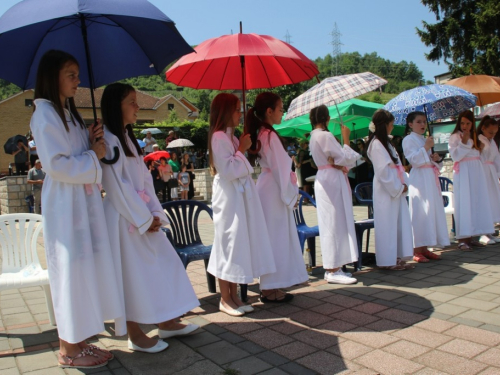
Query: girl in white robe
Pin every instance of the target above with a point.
(83, 281)
(155, 284)
(241, 249)
(333, 197)
(472, 211)
(490, 157)
(393, 232)
(278, 193)
(426, 202)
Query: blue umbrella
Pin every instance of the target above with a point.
(111, 39)
(437, 101)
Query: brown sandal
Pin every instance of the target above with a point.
(396, 267)
(464, 247)
(71, 360)
(94, 348)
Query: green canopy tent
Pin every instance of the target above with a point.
(356, 115)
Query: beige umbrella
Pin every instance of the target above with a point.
(486, 88)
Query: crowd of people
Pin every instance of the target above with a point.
(109, 263)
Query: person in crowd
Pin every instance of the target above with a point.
(184, 182)
(21, 158)
(35, 178)
(156, 147)
(241, 248)
(149, 141)
(157, 181)
(304, 163)
(490, 157)
(171, 137)
(33, 153)
(333, 197)
(393, 237)
(134, 217)
(75, 232)
(176, 167)
(166, 176)
(473, 216)
(192, 157)
(278, 193)
(186, 160)
(426, 203)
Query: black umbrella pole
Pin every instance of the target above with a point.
(92, 86)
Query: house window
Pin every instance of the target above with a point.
(170, 107)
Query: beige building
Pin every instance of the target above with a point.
(15, 113)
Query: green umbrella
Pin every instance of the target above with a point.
(356, 115)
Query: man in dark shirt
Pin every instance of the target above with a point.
(21, 158)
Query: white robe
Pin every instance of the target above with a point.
(241, 250)
(278, 195)
(393, 233)
(84, 284)
(472, 211)
(155, 284)
(490, 157)
(334, 200)
(426, 202)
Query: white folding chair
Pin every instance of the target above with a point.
(448, 207)
(21, 267)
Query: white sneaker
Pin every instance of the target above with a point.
(348, 274)
(485, 240)
(493, 238)
(339, 278)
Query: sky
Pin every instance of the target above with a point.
(387, 27)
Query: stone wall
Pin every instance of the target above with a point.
(203, 182)
(13, 190)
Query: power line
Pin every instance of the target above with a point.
(336, 51)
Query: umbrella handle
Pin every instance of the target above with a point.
(115, 157)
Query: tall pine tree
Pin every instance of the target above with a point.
(466, 35)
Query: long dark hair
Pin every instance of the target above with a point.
(486, 121)
(47, 84)
(111, 110)
(256, 119)
(319, 115)
(410, 118)
(221, 112)
(469, 115)
(381, 118)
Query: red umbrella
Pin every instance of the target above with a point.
(157, 155)
(242, 62)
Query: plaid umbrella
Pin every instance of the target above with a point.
(437, 101)
(334, 90)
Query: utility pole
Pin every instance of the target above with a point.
(288, 38)
(336, 51)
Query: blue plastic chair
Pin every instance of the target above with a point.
(364, 195)
(304, 231)
(30, 201)
(185, 236)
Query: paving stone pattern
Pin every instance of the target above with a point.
(443, 317)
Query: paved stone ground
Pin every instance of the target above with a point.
(442, 317)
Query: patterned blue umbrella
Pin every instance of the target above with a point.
(437, 101)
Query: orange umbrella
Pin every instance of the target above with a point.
(486, 88)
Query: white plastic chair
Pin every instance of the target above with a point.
(449, 208)
(20, 265)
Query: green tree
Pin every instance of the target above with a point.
(466, 35)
